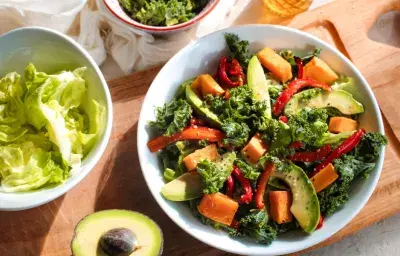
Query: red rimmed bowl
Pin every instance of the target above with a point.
(118, 11)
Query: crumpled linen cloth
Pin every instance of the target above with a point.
(101, 33)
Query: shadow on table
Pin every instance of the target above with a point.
(122, 186)
(24, 232)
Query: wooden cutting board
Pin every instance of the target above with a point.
(117, 182)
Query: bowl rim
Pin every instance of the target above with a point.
(317, 239)
(141, 26)
(101, 144)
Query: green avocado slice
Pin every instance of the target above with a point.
(305, 205)
(89, 231)
(258, 83)
(199, 107)
(317, 98)
(186, 187)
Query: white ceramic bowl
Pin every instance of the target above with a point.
(202, 56)
(117, 10)
(51, 51)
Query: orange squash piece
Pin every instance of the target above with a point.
(324, 178)
(280, 203)
(205, 84)
(317, 69)
(254, 149)
(218, 207)
(340, 124)
(210, 153)
(276, 64)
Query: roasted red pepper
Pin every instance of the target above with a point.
(230, 186)
(235, 224)
(320, 222)
(312, 156)
(189, 133)
(284, 119)
(262, 185)
(230, 74)
(300, 67)
(296, 145)
(195, 121)
(245, 183)
(292, 88)
(343, 148)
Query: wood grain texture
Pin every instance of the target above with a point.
(117, 181)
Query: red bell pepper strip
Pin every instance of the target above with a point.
(292, 88)
(283, 119)
(195, 121)
(320, 222)
(235, 224)
(189, 133)
(262, 185)
(232, 69)
(343, 148)
(296, 145)
(230, 186)
(317, 155)
(300, 67)
(245, 183)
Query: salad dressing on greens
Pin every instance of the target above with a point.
(265, 144)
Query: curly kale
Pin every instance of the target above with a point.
(239, 49)
(240, 115)
(162, 12)
(309, 125)
(255, 225)
(172, 117)
(359, 162)
(248, 171)
(214, 174)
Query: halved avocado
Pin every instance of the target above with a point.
(199, 107)
(117, 232)
(305, 205)
(186, 187)
(317, 98)
(258, 83)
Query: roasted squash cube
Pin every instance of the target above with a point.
(340, 124)
(276, 64)
(317, 69)
(210, 153)
(324, 178)
(280, 203)
(218, 207)
(254, 149)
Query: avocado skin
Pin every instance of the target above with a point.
(305, 205)
(198, 106)
(75, 245)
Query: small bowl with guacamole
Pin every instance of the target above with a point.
(161, 16)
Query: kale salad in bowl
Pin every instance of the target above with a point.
(161, 16)
(267, 147)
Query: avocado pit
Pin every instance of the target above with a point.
(119, 242)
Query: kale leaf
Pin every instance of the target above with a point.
(239, 49)
(162, 12)
(359, 162)
(248, 171)
(255, 225)
(172, 117)
(214, 174)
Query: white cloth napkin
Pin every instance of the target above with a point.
(101, 32)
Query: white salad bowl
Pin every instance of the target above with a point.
(50, 52)
(202, 56)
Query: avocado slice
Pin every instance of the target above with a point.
(199, 107)
(317, 98)
(186, 187)
(258, 83)
(117, 232)
(305, 205)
